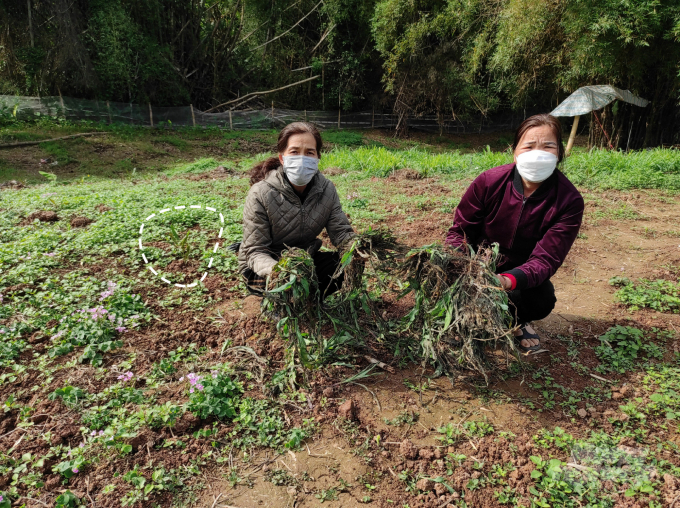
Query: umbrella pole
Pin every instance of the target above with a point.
(572, 136)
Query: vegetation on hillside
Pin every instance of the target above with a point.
(459, 60)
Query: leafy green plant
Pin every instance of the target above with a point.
(181, 243)
(660, 295)
(327, 495)
(213, 395)
(69, 394)
(619, 349)
(67, 500)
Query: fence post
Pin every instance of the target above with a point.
(338, 119)
(272, 114)
(231, 125)
(61, 100)
(373, 118)
(193, 118)
(108, 108)
(150, 115)
(132, 120)
(306, 112)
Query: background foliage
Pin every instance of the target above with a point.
(456, 58)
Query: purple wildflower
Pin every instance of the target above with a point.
(120, 329)
(75, 469)
(200, 387)
(191, 390)
(50, 254)
(182, 378)
(111, 288)
(93, 433)
(81, 445)
(127, 376)
(58, 334)
(101, 433)
(214, 373)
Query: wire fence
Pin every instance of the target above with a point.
(29, 108)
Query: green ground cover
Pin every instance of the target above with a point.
(83, 290)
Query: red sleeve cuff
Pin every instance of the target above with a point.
(513, 281)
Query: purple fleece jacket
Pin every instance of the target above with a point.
(534, 233)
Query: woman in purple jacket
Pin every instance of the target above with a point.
(533, 212)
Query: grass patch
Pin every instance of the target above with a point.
(343, 138)
(179, 143)
(57, 151)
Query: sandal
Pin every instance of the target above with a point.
(526, 335)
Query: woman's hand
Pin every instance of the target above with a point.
(505, 282)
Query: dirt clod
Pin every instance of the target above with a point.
(334, 171)
(439, 489)
(80, 222)
(406, 174)
(425, 485)
(328, 392)
(143, 439)
(426, 454)
(408, 450)
(42, 216)
(582, 413)
(347, 410)
(185, 423)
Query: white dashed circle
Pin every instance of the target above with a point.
(182, 207)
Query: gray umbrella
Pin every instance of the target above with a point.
(591, 98)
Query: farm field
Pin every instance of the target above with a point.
(100, 358)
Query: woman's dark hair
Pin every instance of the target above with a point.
(539, 121)
(260, 170)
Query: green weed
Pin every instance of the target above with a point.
(660, 295)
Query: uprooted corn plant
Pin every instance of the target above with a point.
(293, 299)
(460, 308)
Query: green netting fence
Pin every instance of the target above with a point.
(28, 108)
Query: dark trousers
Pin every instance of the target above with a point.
(532, 304)
(325, 264)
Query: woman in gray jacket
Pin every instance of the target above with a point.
(289, 204)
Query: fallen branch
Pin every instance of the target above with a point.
(380, 364)
(601, 378)
(259, 93)
(29, 143)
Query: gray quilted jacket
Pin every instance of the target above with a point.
(274, 218)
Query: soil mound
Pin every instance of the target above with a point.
(80, 222)
(42, 216)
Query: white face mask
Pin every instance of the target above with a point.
(300, 169)
(536, 166)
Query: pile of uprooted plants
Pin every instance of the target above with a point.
(459, 316)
